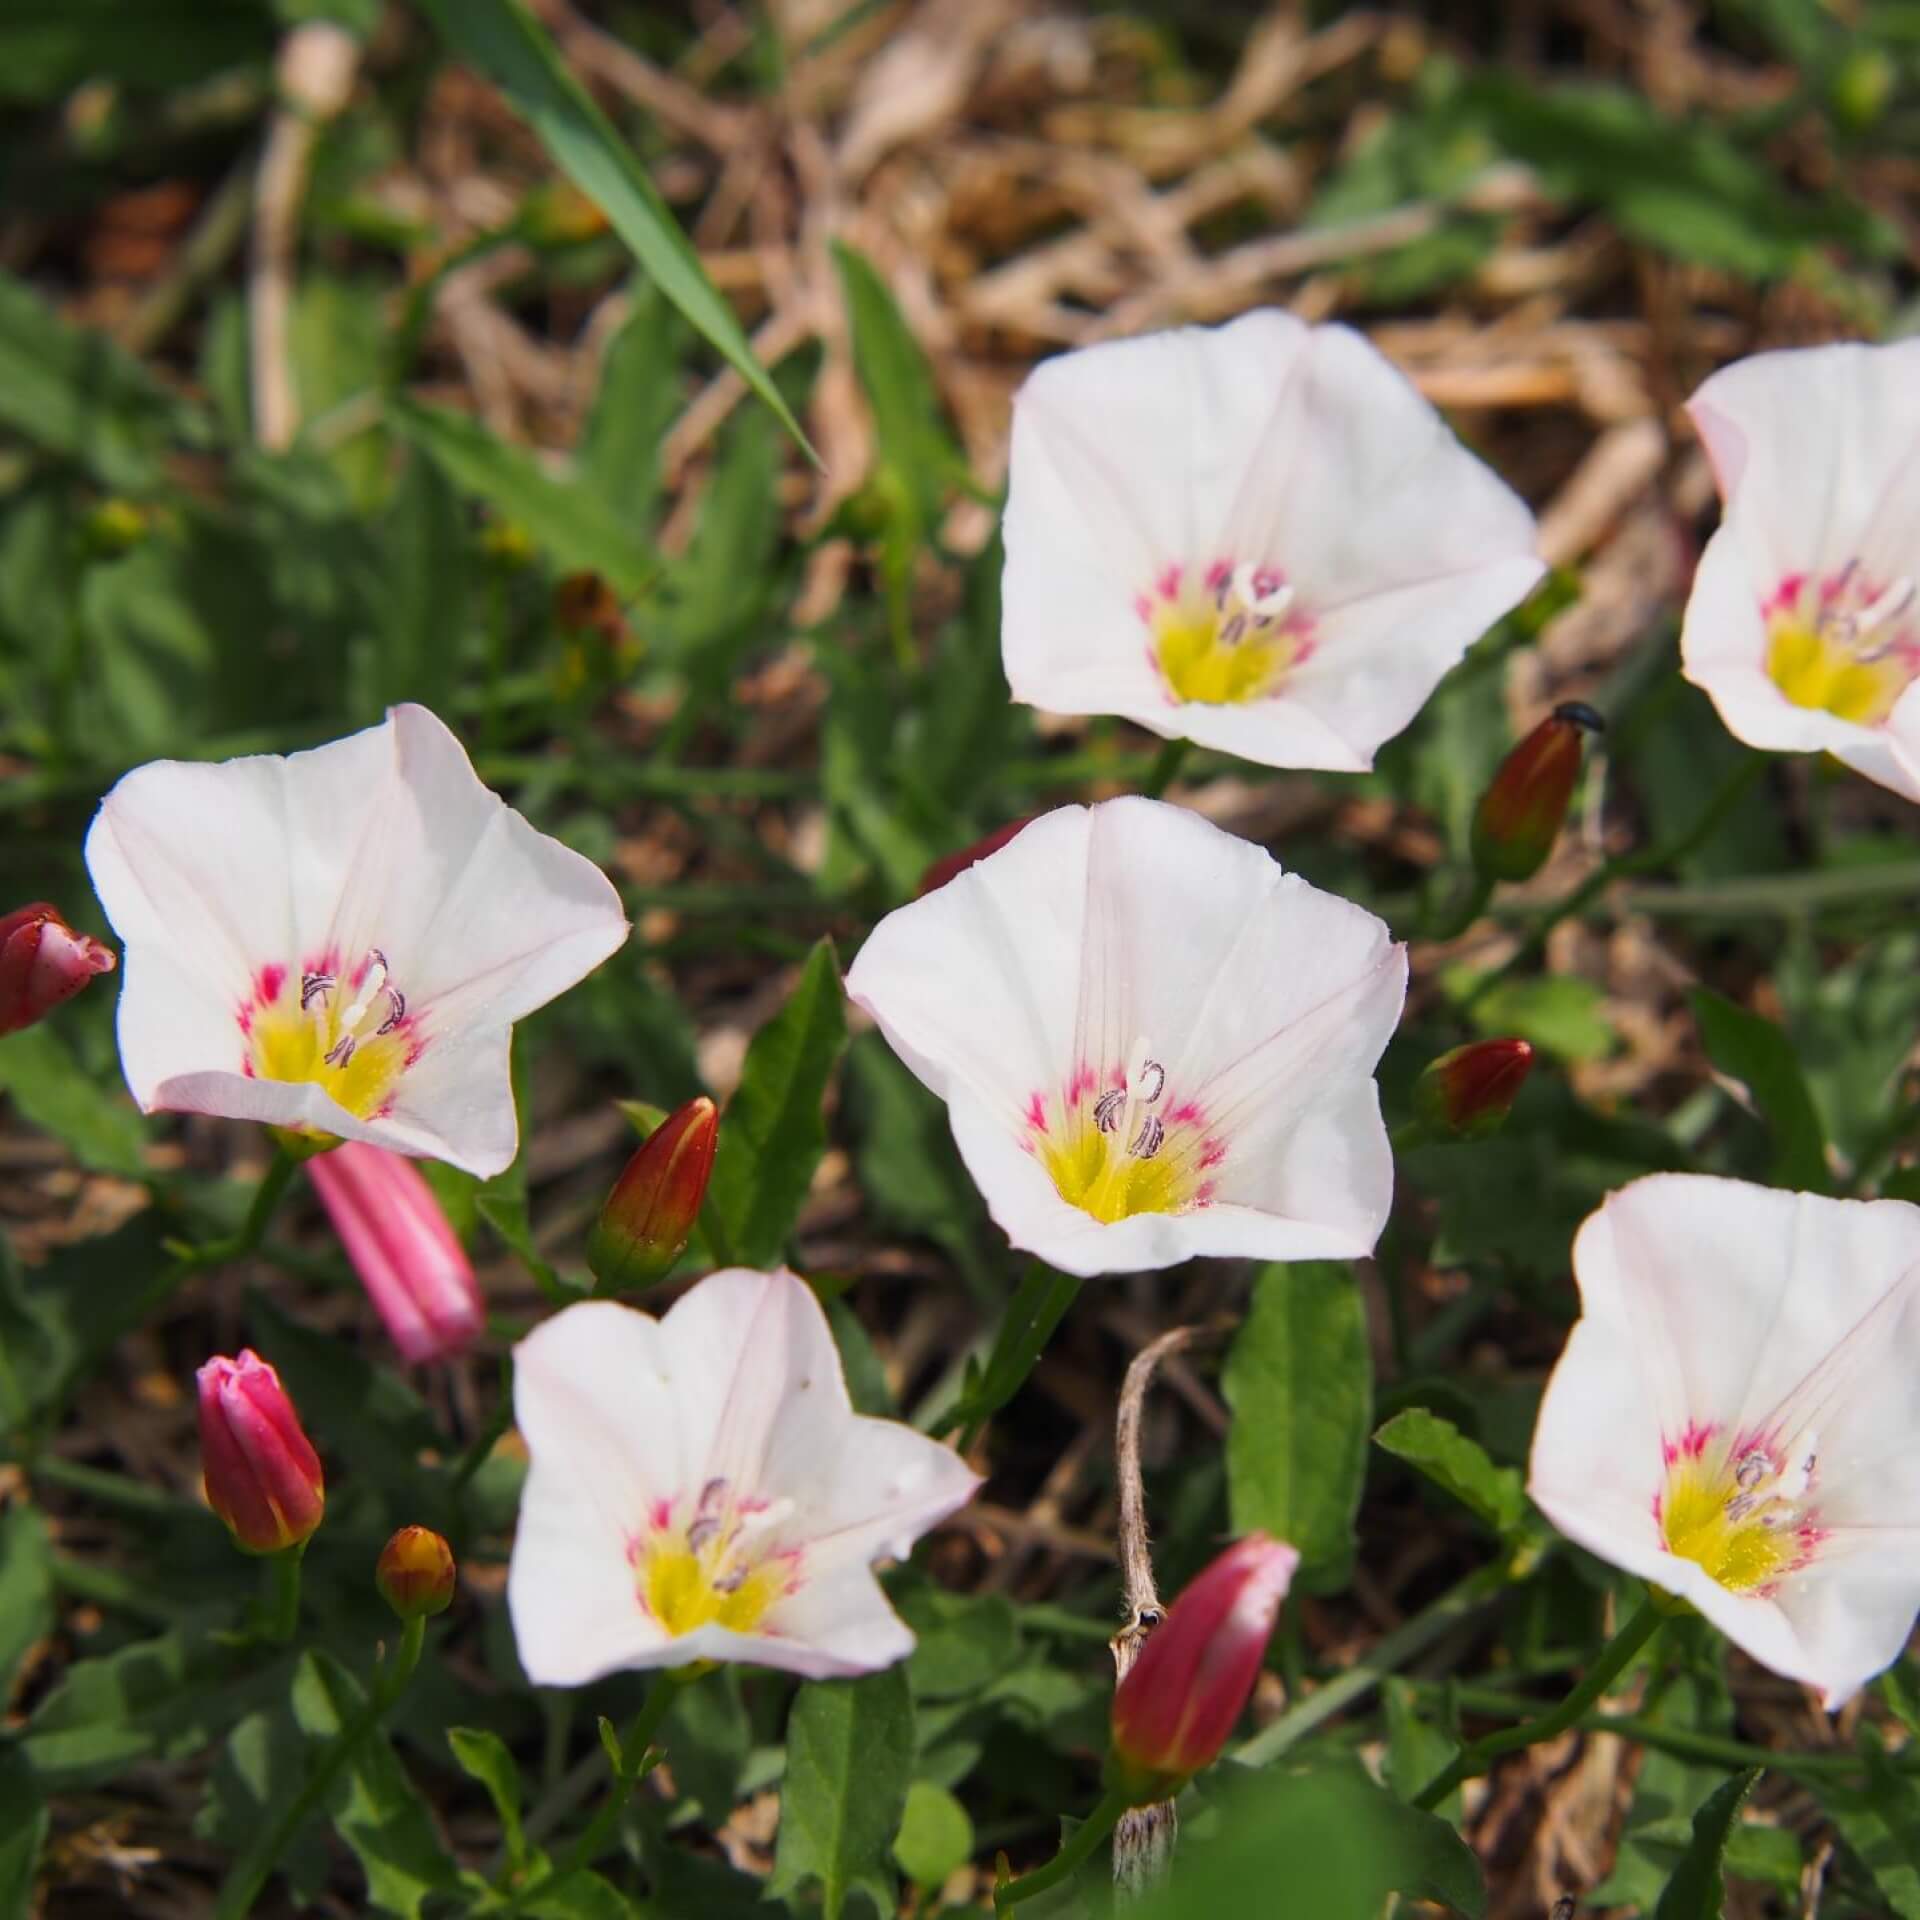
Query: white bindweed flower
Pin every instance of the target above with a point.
(1736, 1417)
(1152, 1043)
(701, 1489)
(1803, 624)
(339, 942)
(1259, 537)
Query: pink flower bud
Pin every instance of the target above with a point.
(1173, 1712)
(645, 1225)
(415, 1573)
(407, 1255)
(1470, 1091)
(263, 1476)
(1520, 813)
(43, 962)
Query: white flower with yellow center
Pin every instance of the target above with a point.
(701, 1489)
(338, 942)
(1804, 625)
(1152, 1043)
(1736, 1416)
(1259, 537)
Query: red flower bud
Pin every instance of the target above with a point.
(43, 962)
(263, 1476)
(1469, 1092)
(415, 1573)
(649, 1215)
(408, 1257)
(1520, 813)
(951, 865)
(1173, 1712)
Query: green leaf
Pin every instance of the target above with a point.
(49, 47)
(26, 1589)
(261, 1767)
(159, 1699)
(935, 1837)
(104, 1130)
(962, 1641)
(849, 1758)
(1697, 1888)
(774, 1132)
(24, 1820)
(1749, 1048)
(1339, 1844)
(75, 393)
(513, 50)
(485, 1757)
(1559, 1013)
(423, 602)
(1462, 1466)
(640, 393)
(573, 523)
(1300, 1384)
(1880, 1824)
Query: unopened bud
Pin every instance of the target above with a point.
(951, 865)
(415, 1573)
(262, 1475)
(1177, 1706)
(43, 962)
(1468, 1093)
(403, 1247)
(1520, 814)
(115, 527)
(644, 1227)
(507, 545)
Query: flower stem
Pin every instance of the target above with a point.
(1166, 768)
(1622, 867)
(265, 1204)
(638, 1758)
(280, 1594)
(1612, 1661)
(1091, 1833)
(1467, 905)
(1035, 1310)
(251, 1872)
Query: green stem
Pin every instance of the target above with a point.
(1166, 768)
(1614, 1656)
(1036, 1309)
(280, 1594)
(1406, 1642)
(637, 1759)
(1622, 867)
(265, 1204)
(250, 1874)
(1091, 1833)
(1468, 904)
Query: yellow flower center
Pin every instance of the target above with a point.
(1118, 1144)
(1232, 640)
(708, 1573)
(350, 1034)
(1840, 648)
(1740, 1513)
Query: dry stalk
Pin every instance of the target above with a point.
(1143, 1841)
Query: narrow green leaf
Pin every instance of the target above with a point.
(640, 393)
(1880, 1824)
(1438, 1448)
(24, 1819)
(573, 523)
(103, 1128)
(1749, 1048)
(1300, 1384)
(513, 50)
(49, 47)
(773, 1131)
(1698, 1886)
(26, 1588)
(485, 1757)
(75, 393)
(849, 1757)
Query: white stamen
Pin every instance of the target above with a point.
(1265, 606)
(370, 990)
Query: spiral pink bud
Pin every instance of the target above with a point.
(43, 962)
(263, 1476)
